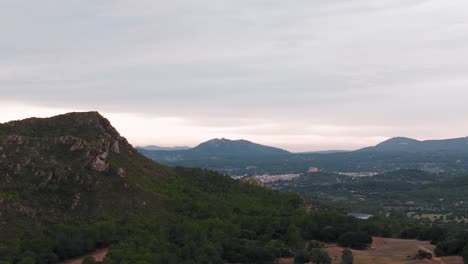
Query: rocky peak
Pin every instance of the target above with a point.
(84, 125)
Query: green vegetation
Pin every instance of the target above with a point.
(427, 197)
(319, 256)
(301, 257)
(423, 254)
(316, 255)
(428, 203)
(89, 260)
(347, 257)
(465, 254)
(356, 240)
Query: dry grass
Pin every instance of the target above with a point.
(387, 251)
(392, 251)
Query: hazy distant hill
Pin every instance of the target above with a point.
(153, 147)
(403, 144)
(226, 147)
(243, 157)
(216, 149)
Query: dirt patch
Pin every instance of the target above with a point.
(98, 255)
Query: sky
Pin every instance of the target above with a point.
(302, 75)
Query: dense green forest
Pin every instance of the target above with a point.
(413, 192)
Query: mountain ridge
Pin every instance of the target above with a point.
(217, 148)
(236, 147)
(405, 144)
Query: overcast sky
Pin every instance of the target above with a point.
(301, 74)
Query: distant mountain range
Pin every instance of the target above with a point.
(403, 144)
(153, 147)
(238, 157)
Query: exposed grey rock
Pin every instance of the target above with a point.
(100, 164)
(17, 169)
(76, 201)
(77, 143)
(49, 176)
(121, 172)
(115, 147)
(104, 155)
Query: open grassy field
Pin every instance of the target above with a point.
(388, 251)
(392, 251)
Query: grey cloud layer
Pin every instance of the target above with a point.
(355, 62)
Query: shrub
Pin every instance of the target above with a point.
(451, 247)
(355, 240)
(465, 255)
(319, 257)
(347, 257)
(315, 244)
(422, 254)
(301, 257)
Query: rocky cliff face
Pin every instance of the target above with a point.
(73, 164)
(56, 148)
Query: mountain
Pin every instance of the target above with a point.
(226, 147)
(73, 166)
(219, 148)
(402, 144)
(71, 184)
(449, 156)
(223, 155)
(153, 147)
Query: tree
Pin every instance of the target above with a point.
(465, 254)
(423, 254)
(89, 260)
(27, 260)
(301, 257)
(356, 240)
(319, 257)
(29, 257)
(347, 257)
(293, 236)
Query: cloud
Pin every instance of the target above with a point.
(357, 64)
